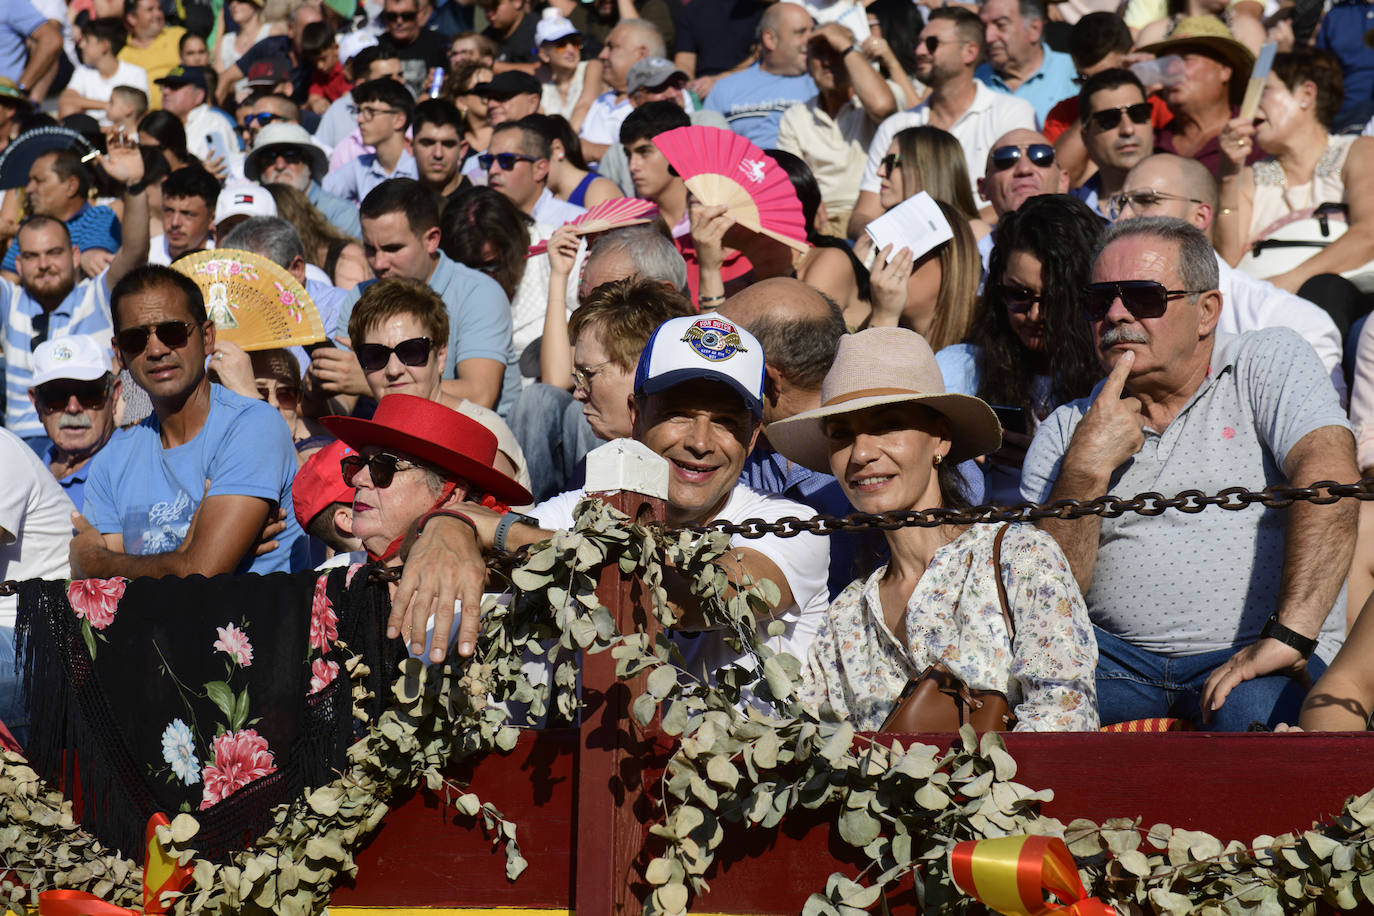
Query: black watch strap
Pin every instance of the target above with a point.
(1275, 630)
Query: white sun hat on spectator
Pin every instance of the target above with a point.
(76, 357)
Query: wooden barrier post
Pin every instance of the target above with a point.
(610, 803)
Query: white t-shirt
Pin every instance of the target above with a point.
(803, 559)
(989, 116)
(604, 117)
(35, 514)
(89, 84)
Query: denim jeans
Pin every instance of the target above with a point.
(1135, 684)
(12, 711)
(554, 436)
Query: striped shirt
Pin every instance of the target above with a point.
(92, 227)
(86, 310)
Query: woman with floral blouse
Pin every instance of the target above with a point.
(892, 436)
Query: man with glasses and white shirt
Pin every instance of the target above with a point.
(384, 111)
(947, 53)
(1185, 407)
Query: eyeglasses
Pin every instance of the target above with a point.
(290, 155)
(412, 352)
(505, 160)
(394, 16)
(566, 40)
(583, 375)
(382, 467)
(672, 82)
(367, 114)
(888, 163)
(1142, 200)
(261, 119)
(1109, 118)
(1142, 298)
(1019, 299)
(173, 334)
(1040, 154)
(931, 43)
(287, 396)
(55, 396)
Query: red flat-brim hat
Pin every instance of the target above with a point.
(435, 434)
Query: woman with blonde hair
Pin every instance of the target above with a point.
(930, 159)
(326, 247)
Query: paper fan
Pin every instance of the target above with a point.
(721, 167)
(609, 214)
(253, 302)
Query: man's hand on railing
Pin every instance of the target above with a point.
(444, 565)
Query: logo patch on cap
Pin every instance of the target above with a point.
(714, 339)
(63, 354)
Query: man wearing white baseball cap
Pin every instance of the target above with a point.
(698, 402)
(74, 391)
(240, 202)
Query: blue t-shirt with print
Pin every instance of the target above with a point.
(753, 101)
(148, 493)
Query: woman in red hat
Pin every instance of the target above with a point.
(415, 457)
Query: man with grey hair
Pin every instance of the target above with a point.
(1019, 61)
(547, 420)
(631, 41)
(1185, 407)
(753, 100)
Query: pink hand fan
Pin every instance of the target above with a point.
(609, 214)
(721, 167)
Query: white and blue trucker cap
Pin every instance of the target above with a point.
(702, 347)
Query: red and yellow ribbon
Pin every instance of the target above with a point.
(1011, 874)
(160, 873)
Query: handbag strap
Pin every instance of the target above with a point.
(1001, 588)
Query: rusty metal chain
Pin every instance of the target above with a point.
(1190, 501)
(1321, 493)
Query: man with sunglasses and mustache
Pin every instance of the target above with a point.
(52, 302)
(283, 153)
(75, 393)
(1214, 617)
(189, 490)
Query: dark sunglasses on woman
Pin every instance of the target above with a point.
(1142, 298)
(412, 352)
(1019, 299)
(173, 334)
(1109, 118)
(382, 467)
(1004, 157)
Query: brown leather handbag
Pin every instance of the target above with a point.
(937, 701)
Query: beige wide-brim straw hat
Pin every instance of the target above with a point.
(885, 366)
(1209, 36)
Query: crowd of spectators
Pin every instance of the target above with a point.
(1130, 288)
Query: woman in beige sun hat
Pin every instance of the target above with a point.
(891, 435)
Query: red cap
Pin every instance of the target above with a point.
(319, 483)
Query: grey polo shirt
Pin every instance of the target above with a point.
(1179, 584)
(479, 322)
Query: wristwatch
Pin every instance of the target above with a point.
(1291, 638)
(503, 526)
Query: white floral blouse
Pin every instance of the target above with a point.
(954, 615)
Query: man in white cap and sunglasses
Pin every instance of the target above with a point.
(698, 402)
(74, 391)
(1221, 618)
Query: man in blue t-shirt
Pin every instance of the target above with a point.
(188, 490)
(753, 100)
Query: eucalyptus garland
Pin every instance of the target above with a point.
(749, 754)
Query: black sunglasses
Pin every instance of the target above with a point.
(55, 396)
(889, 162)
(412, 352)
(290, 154)
(400, 17)
(1040, 154)
(173, 334)
(1109, 118)
(382, 466)
(1019, 299)
(931, 42)
(1142, 298)
(505, 160)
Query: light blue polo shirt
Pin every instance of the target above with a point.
(1045, 88)
(479, 322)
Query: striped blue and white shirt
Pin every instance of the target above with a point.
(86, 310)
(91, 227)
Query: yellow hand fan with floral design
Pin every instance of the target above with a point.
(252, 301)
